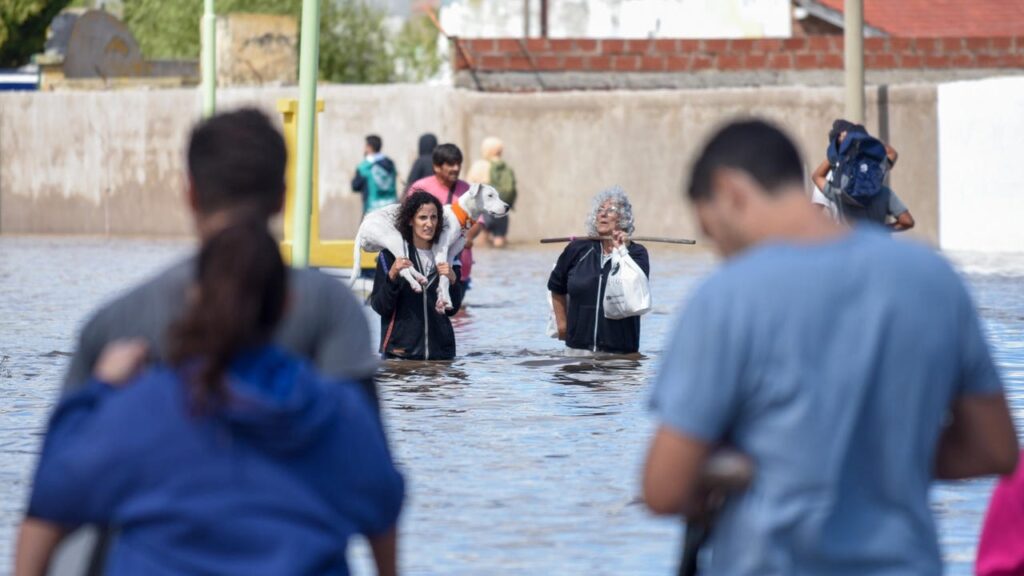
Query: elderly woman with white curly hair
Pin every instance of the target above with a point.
(578, 282)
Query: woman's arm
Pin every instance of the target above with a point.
(892, 155)
(386, 287)
(37, 540)
(639, 255)
(903, 222)
(820, 175)
(78, 479)
(385, 552)
(558, 285)
(560, 306)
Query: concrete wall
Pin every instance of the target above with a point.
(980, 127)
(112, 163)
(565, 147)
(94, 162)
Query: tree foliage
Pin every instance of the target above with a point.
(171, 28)
(415, 49)
(23, 25)
(355, 45)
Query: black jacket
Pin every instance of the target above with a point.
(419, 332)
(424, 165)
(579, 274)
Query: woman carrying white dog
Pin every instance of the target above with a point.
(410, 326)
(580, 278)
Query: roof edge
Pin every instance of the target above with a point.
(835, 17)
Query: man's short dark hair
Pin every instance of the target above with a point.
(374, 142)
(237, 160)
(755, 147)
(447, 154)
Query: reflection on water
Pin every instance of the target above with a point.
(519, 458)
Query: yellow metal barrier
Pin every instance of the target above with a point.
(322, 253)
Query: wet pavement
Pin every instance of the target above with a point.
(519, 460)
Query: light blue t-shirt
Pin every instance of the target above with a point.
(832, 365)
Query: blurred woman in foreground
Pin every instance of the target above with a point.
(237, 458)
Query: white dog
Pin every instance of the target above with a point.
(378, 232)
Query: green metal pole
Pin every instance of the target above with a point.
(209, 60)
(308, 64)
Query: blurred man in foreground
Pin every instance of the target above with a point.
(851, 369)
(236, 170)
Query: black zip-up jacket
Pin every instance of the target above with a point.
(579, 274)
(419, 332)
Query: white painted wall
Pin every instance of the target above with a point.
(622, 18)
(981, 171)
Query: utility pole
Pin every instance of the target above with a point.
(543, 18)
(526, 19)
(309, 57)
(209, 59)
(853, 44)
(308, 66)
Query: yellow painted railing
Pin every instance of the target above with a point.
(322, 253)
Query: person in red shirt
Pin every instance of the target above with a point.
(446, 186)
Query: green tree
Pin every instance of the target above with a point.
(170, 28)
(23, 25)
(354, 44)
(415, 48)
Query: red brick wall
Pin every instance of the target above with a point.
(685, 55)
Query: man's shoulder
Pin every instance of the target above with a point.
(166, 288)
(915, 262)
(425, 183)
(868, 252)
(320, 294)
(307, 281)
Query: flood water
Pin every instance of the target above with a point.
(518, 460)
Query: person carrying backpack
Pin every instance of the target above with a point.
(375, 177)
(852, 179)
(491, 169)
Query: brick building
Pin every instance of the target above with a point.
(907, 41)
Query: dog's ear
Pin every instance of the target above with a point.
(474, 190)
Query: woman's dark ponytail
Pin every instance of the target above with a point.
(238, 301)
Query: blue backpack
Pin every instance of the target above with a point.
(859, 165)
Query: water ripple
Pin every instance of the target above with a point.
(519, 459)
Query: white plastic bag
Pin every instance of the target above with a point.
(628, 292)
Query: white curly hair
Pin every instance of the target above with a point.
(619, 199)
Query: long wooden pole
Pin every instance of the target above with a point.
(565, 239)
